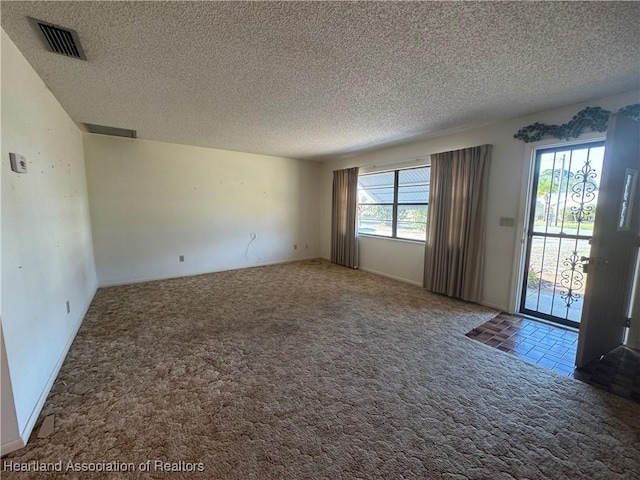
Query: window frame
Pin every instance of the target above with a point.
(395, 205)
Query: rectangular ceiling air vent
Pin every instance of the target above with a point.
(58, 39)
(104, 130)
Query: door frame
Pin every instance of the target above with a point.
(524, 210)
(572, 239)
(633, 333)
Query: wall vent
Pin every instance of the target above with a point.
(58, 39)
(104, 130)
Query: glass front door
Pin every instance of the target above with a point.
(563, 205)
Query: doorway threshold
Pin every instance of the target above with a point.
(549, 322)
(554, 347)
(545, 345)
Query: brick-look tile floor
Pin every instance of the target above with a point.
(555, 348)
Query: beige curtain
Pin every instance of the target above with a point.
(344, 242)
(454, 248)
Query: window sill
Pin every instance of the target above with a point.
(381, 237)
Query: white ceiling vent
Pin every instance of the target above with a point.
(114, 131)
(58, 39)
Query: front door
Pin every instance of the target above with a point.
(614, 246)
(563, 206)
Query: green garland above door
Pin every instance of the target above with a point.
(594, 119)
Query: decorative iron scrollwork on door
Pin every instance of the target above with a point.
(583, 193)
(572, 279)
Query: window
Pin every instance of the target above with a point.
(394, 203)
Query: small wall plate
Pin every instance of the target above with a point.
(18, 162)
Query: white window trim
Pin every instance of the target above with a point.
(392, 168)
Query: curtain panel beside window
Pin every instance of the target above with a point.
(454, 249)
(344, 242)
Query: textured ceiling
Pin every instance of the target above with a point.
(320, 79)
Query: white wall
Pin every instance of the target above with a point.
(509, 166)
(399, 259)
(47, 254)
(152, 202)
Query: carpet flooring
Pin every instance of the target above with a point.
(617, 371)
(309, 370)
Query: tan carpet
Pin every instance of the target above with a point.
(309, 370)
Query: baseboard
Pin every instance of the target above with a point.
(204, 272)
(35, 413)
(11, 446)
(494, 306)
(393, 277)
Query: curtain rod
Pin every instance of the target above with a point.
(400, 163)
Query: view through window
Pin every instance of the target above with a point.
(394, 203)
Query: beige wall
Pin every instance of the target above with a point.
(152, 202)
(47, 253)
(507, 182)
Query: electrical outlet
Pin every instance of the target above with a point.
(182, 258)
(295, 247)
(306, 245)
(68, 307)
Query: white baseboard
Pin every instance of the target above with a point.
(155, 278)
(35, 413)
(502, 308)
(393, 277)
(11, 446)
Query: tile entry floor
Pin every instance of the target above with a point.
(555, 348)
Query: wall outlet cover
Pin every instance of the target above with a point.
(507, 222)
